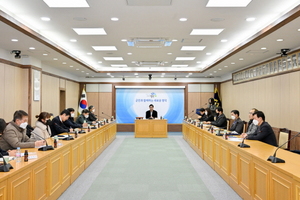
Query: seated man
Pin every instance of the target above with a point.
(201, 113)
(92, 116)
(251, 129)
(151, 113)
(15, 136)
(264, 132)
(83, 118)
(208, 116)
(237, 124)
(221, 120)
(9, 152)
(71, 122)
(57, 126)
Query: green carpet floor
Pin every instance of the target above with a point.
(148, 169)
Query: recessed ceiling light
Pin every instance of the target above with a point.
(14, 40)
(174, 40)
(232, 63)
(129, 53)
(183, 19)
(45, 54)
(220, 69)
(87, 73)
(208, 54)
(112, 58)
(82, 71)
(46, 19)
(112, 76)
(114, 19)
(206, 31)
(64, 63)
(71, 65)
(241, 58)
(133, 62)
(250, 19)
(73, 40)
(136, 74)
(77, 69)
(185, 58)
(90, 31)
(279, 40)
(192, 48)
(231, 3)
(224, 40)
(119, 65)
(215, 71)
(190, 73)
(226, 66)
(124, 40)
(210, 74)
(187, 76)
(263, 48)
(104, 48)
(108, 74)
(55, 59)
(299, 29)
(180, 65)
(99, 62)
(198, 62)
(31, 48)
(169, 53)
(163, 74)
(67, 3)
(166, 62)
(89, 53)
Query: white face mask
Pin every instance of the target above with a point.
(255, 122)
(93, 110)
(72, 114)
(23, 125)
(205, 113)
(233, 117)
(87, 116)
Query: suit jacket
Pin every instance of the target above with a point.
(264, 133)
(154, 114)
(58, 127)
(237, 126)
(206, 118)
(251, 127)
(221, 122)
(70, 123)
(81, 118)
(92, 117)
(14, 136)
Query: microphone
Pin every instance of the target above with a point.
(273, 158)
(106, 115)
(5, 167)
(45, 148)
(243, 145)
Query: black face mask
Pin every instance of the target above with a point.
(48, 122)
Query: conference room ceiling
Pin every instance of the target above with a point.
(149, 28)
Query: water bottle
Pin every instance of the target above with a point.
(18, 155)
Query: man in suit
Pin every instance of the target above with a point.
(71, 122)
(264, 132)
(151, 113)
(58, 126)
(237, 124)
(221, 121)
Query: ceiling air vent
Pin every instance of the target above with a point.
(147, 43)
(149, 63)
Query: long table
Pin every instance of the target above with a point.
(151, 128)
(48, 176)
(247, 170)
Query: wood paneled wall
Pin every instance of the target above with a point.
(72, 93)
(102, 101)
(278, 97)
(13, 90)
(198, 100)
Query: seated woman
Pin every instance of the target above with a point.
(42, 129)
(9, 152)
(208, 116)
(84, 117)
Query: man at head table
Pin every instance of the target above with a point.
(221, 120)
(151, 113)
(15, 136)
(57, 126)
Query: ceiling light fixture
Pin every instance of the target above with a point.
(250, 19)
(31, 48)
(232, 63)
(99, 62)
(279, 40)
(225, 66)
(67, 3)
(73, 40)
(185, 58)
(112, 58)
(169, 53)
(124, 40)
(77, 69)
(105, 48)
(14, 40)
(263, 48)
(206, 31)
(192, 48)
(55, 59)
(114, 19)
(90, 31)
(129, 54)
(231, 3)
(174, 40)
(64, 63)
(119, 65)
(89, 53)
(208, 54)
(241, 59)
(180, 65)
(46, 19)
(45, 54)
(183, 19)
(71, 65)
(198, 62)
(224, 40)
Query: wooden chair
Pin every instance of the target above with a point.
(245, 126)
(228, 122)
(276, 132)
(295, 143)
(284, 136)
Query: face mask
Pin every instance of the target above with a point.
(87, 116)
(23, 125)
(48, 122)
(255, 122)
(232, 117)
(72, 114)
(205, 113)
(93, 110)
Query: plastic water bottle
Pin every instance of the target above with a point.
(18, 155)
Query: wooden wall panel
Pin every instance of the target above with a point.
(9, 100)
(278, 97)
(204, 96)
(50, 94)
(193, 104)
(2, 90)
(93, 99)
(62, 83)
(105, 104)
(72, 94)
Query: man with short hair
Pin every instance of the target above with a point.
(251, 129)
(201, 114)
(15, 136)
(71, 122)
(84, 118)
(264, 132)
(92, 116)
(151, 113)
(221, 120)
(237, 124)
(57, 126)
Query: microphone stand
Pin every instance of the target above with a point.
(6, 166)
(243, 145)
(45, 148)
(69, 137)
(273, 158)
(106, 115)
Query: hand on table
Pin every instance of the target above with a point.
(243, 135)
(39, 143)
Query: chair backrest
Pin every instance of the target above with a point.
(245, 128)
(284, 136)
(295, 143)
(228, 123)
(276, 132)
